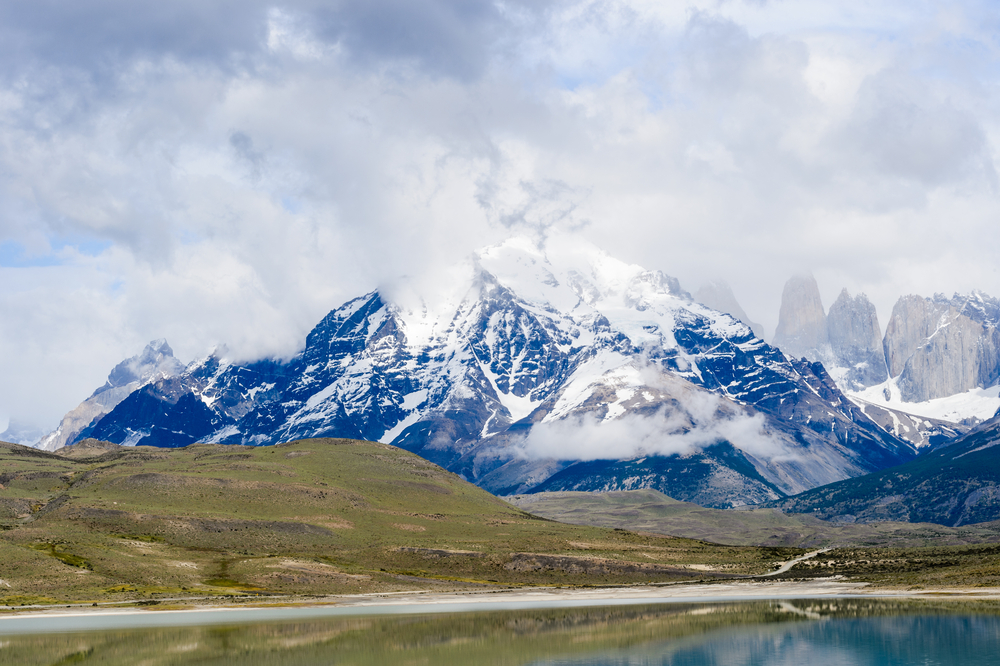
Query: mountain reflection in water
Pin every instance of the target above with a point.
(816, 632)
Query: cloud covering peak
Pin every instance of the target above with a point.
(229, 172)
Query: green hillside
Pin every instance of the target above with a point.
(652, 511)
(322, 516)
(889, 554)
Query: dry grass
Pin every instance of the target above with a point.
(310, 517)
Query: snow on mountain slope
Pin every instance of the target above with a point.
(977, 404)
(155, 362)
(534, 337)
(929, 423)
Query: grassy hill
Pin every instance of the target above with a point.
(105, 523)
(652, 511)
(889, 554)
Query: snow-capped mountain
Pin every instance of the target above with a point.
(718, 295)
(155, 362)
(548, 359)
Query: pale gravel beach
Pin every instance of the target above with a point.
(406, 603)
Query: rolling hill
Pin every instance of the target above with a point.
(105, 523)
(652, 511)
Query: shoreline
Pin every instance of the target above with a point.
(84, 618)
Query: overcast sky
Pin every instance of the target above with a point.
(230, 171)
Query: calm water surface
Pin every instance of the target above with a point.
(848, 632)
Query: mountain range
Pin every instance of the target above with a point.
(550, 365)
(931, 377)
(953, 485)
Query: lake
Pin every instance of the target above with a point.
(817, 632)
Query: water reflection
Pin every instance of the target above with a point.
(845, 632)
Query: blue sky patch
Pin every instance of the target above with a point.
(15, 255)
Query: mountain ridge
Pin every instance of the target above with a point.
(540, 336)
(955, 484)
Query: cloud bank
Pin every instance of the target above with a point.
(703, 420)
(229, 172)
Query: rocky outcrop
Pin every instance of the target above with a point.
(939, 347)
(856, 341)
(155, 362)
(801, 328)
(847, 341)
(719, 296)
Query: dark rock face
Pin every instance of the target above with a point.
(856, 340)
(940, 346)
(169, 424)
(720, 477)
(953, 485)
(610, 345)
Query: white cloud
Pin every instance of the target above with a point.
(701, 421)
(231, 171)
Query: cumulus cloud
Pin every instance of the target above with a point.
(229, 172)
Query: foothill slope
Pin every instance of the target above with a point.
(104, 523)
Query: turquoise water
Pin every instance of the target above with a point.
(926, 640)
(846, 632)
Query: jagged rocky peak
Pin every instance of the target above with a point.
(856, 341)
(801, 328)
(938, 347)
(154, 363)
(718, 295)
(913, 320)
(977, 306)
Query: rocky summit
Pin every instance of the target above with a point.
(155, 362)
(856, 341)
(548, 364)
(801, 328)
(938, 347)
(848, 340)
(932, 377)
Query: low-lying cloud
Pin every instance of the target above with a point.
(705, 420)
